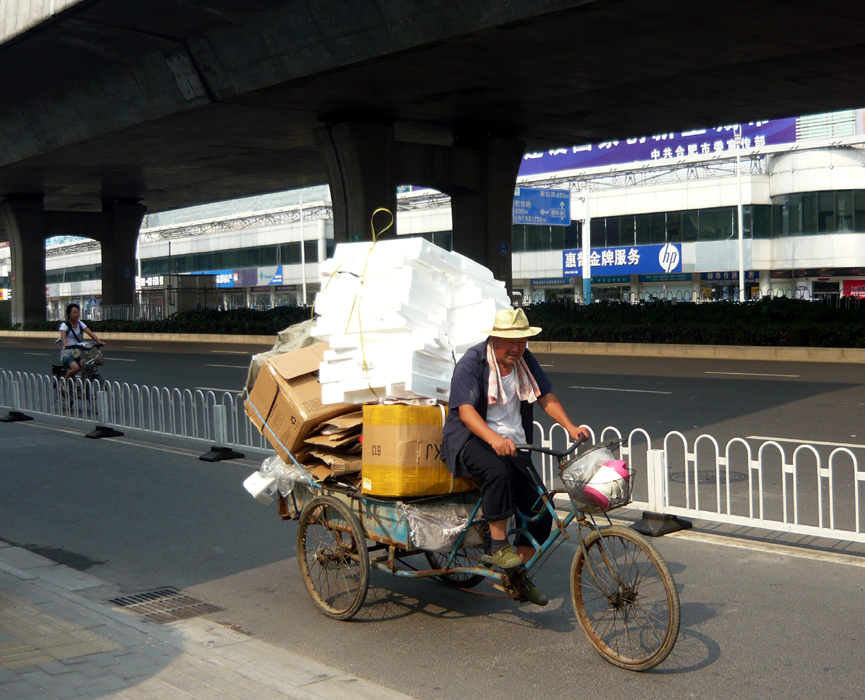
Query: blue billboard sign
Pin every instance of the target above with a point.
(542, 207)
(660, 148)
(625, 260)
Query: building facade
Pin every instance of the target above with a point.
(662, 212)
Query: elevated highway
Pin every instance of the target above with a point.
(111, 108)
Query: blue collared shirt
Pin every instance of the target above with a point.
(469, 386)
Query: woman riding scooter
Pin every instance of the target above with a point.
(71, 334)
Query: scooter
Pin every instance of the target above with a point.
(89, 356)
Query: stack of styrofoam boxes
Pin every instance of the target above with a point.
(397, 316)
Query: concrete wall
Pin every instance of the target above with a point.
(17, 16)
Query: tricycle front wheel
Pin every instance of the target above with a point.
(625, 598)
(333, 558)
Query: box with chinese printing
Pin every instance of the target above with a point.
(285, 402)
(402, 452)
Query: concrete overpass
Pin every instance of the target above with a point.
(113, 107)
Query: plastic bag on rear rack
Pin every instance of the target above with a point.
(274, 475)
(437, 528)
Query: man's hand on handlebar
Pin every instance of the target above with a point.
(503, 447)
(579, 434)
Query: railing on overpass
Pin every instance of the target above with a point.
(810, 490)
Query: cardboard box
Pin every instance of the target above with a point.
(285, 402)
(401, 452)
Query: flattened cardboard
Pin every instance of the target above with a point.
(286, 399)
(339, 462)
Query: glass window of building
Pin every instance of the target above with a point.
(758, 221)
(716, 224)
(599, 233)
(534, 238)
(613, 231)
(518, 238)
(859, 210)
(810, 219)
(825, 212)
(643, 229)
(674, 227)
(844, 213)
(658, 227)
(573, 234)
(690, 226)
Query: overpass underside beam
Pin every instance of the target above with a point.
(120, 230)
(479, 171)
(25, 224)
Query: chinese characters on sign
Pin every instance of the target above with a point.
(628, 260)
(750, 276)
(542, 207)
(661, 147)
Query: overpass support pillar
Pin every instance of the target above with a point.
(120, 229)
(361, 169)
(24, 221)
(482, 219)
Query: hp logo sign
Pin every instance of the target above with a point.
(668, 258)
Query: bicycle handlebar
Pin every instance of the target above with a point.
(549, 451)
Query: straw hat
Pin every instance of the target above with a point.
(512, 323)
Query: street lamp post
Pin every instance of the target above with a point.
(738, 134)
(302, 252)
(587, 248)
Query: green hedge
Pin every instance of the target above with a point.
(236, 322)
(771, 322)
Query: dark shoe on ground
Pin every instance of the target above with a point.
(534, 595)
(505, 558)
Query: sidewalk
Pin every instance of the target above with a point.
(55, 643)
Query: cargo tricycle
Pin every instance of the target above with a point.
(622, 591)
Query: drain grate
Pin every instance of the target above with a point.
(165, 605)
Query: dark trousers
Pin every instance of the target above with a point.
(505, 487)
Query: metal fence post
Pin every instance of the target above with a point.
(219, 451)
(14, 415)
(103, 430)
(654, 522)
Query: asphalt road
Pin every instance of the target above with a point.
(757, 620)
(724, 398)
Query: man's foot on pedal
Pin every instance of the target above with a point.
(505, 558)
(533, 594)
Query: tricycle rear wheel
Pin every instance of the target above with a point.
(333, 558)
(466, 556)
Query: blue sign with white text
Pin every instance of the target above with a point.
(542, 207)
(625, 260)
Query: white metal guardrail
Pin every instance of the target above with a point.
(182, 413)
(810, 490)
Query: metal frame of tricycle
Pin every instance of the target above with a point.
(372, 510)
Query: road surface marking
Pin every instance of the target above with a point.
(769, 548)
(630, 391)
(755, 374)
(549, 365)
(119, 359)
(213, 388)
(230, 366)
(230, 352)
(804, 442)
(40, 354)
(137, 347)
